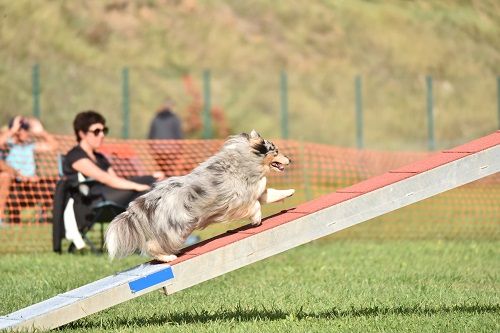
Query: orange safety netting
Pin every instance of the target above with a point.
(471, 211)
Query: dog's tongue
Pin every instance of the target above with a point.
(279, 166)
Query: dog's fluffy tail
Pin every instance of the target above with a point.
(125, 235)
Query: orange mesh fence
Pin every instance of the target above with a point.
(471, 211)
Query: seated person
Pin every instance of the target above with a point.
(90, 129)
(5, 179)
(20, 148)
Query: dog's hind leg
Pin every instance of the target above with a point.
(155, 251)
(256, 214)
(166, 257)
(271, 195)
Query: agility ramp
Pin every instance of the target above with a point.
(240, 247)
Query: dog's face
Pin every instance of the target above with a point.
(272, 158)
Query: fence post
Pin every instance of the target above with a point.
(207, 117)
(431, 143)
(36, 90)
(498, 100)
(305, 170)
(284, 104)
(125, 103)
(359, 113)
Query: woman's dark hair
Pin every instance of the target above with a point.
(84, 120)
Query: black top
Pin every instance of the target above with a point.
(76, 154)
(165, 126)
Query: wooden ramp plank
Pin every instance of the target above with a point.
(278, 233)
(85, 300)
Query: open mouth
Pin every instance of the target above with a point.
(278, 166)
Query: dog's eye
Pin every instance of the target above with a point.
(270, 146)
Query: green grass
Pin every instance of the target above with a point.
(360, 286)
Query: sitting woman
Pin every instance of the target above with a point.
(90, 129)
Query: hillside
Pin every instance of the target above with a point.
(82, 47)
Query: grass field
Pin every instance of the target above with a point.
(355, 286)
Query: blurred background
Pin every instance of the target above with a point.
(385, 75)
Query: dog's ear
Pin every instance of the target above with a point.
(254, 134)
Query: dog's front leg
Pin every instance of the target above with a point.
(271, 195)
(256, 214)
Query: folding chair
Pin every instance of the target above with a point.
(96, 209)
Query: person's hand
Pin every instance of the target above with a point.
(159, 175)
(36, 126)
(142, 188)
(16, 125)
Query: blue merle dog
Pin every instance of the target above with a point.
(229, 185)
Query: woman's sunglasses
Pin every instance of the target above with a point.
(98, 131)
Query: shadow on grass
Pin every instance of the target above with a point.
(240, 314)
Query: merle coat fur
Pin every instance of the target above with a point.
(229, 185)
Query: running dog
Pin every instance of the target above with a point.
(229, 185)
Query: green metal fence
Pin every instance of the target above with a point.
(411, 113)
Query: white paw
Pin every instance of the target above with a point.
(255, 223)
(256, 218)
(166, 257)
(278, 195)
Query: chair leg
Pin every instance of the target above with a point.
(91, 244)
(102, 237)
(93, 248)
